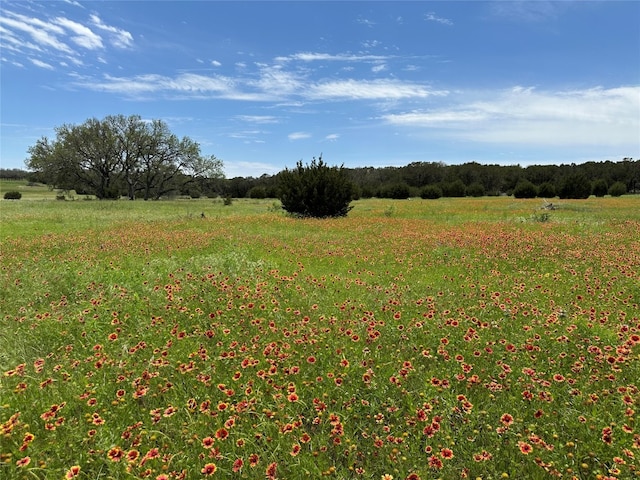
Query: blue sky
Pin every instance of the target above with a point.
(264, 84)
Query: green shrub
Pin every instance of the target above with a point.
(456, 188)
(258, 192)
(397, 191)
(547, 190)
(599, 188)
(316, 190)
(576, 186)
(476, 189)
(525, 189)
(13, 195)
(431, 192)
(615, 190)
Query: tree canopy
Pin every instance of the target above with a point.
(120, 155)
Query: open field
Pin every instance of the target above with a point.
(457, 338)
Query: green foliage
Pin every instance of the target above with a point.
(476, 189)
(258, 192)
(547, 190)
(13, 195)
(599, 188)
(397, 191)
(525, 189)
(576, 186)
(431, 192)
(617, 189)
(316, 190)
(456, 188)
(121, 155)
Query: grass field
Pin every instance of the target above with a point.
(458, 338)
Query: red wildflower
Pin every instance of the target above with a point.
(209, 469)
(270, 472)
(525, 448)
(446, 453)
(237, 465)
(115, 454)
(23, 462)
(506, 419)
(72, 472)
(222, 433)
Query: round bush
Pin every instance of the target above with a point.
(12, 195)
(615, 190)
(525, 189)
(431, 192)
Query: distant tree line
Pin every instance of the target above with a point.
(126, 156)
(434, 180)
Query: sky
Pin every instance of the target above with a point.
(262, 85)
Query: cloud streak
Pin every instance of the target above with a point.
(521, 115)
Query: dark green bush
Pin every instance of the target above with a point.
(431, 192)
(599, 188)
(13, 195)
(547, 190)
(397, 191)
(617, 189)
(316, 190)
(576, 186)
(456, 188)
(258, 192)
(525, 189)
(476, 189)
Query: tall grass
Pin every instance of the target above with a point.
(445, 339)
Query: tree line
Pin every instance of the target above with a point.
(434, 180)
(131, 157)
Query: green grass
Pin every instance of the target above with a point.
(390, 342)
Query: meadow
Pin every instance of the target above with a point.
(456, 338)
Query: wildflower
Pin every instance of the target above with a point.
(209, 469)
(23, 462)
(435, 462)
(207, 442)
(525, 448)
(237, 465)
(72, 472)
(115, 454)
(253, 460)
(270, 472)
(295, 450)
(446, 453)
(222, 433)
(506, 419)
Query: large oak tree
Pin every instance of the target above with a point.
(120, 155)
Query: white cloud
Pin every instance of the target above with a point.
(327, 57)
(432, 17)
(41, 64)
(83, 37)
(44, 34)
(257, 118)
(368, 89)
(520, 115)
(216, 63)
(298, 136)
(119, 38)
(379, 68)
(332, 137)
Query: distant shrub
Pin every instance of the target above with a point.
(617, 189)
(525, 189)
(257, 192)
(599, 188)
(397, 191)
(13, 195)
(576, 186)
(431, 192)
(228, 200)
(456, 188)
(476, 189)
(547, 190)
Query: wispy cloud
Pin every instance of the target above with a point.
(57, 37)
(298, 136)
(328, 57)
(332, 137)
(257, 118)
(521, 115)
(368, 89)
(41, 64)
(119, 38)
(529, 11)
(432, 17)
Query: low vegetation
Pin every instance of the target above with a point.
(451, 338)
